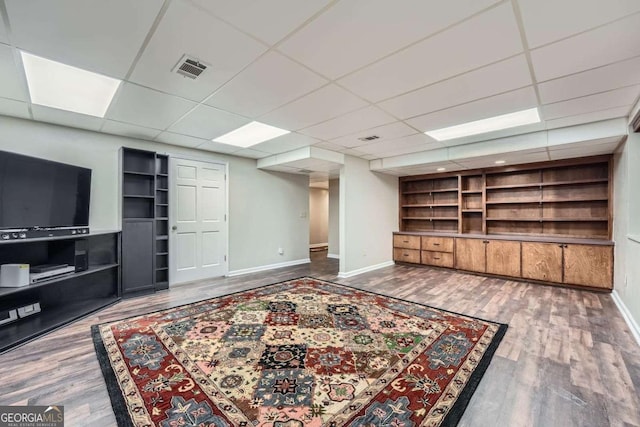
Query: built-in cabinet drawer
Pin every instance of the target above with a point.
(438, 259)
(406, 255)
(438, 244)
(406, 241)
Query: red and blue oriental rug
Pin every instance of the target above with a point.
(299, 353)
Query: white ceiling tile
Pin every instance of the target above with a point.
(389, 131)
(218, 147)
(587, 104)
(127, 129)
(269, 21)
(354, 33)
(404, 145)
(96, 35)
(251, 153)
(601, 79)
(208, 123)
(489, 37)
(501, 77)
(588, 117)
(288, 142)
(271, 81)
(10, 107)
(509, 102)
(181, 140)
(604, 45)
(329, 146)
(355, 121)
(323, 104)
(146, 107)
(519, 130)
(186, 29)
(12, 85)
(66, 118)
(546, 21)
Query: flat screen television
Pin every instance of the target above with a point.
(41, 193)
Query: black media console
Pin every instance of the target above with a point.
(64, 298)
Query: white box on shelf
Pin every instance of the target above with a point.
(14, 275)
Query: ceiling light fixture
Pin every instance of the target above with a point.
(500, 162)
(251, 134)
(57, 85)
(505, 121)
(441, 169)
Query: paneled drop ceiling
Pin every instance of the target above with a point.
(336, 72)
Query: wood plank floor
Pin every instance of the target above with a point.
(568, 358)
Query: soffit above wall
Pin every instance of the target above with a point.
(316, 162)
(570, 142)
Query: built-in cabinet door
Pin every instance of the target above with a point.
(588, 265)
(542, 261)
(137, 255)
(470, 255)
(503, 257)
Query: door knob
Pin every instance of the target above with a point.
(174, 228)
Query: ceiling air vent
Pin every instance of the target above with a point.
(369, 138)
(189, 67)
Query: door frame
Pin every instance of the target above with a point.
(172, 181)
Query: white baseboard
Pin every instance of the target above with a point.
(268, 267)
(347, 274)
(318, 245)
(626, 314)
(333, 256)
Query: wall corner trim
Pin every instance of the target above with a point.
(267, 267)
(347, 274)
(626, 314)
(334, 256)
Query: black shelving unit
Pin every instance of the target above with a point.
(161, 273)
(65, 298)
(145, 213)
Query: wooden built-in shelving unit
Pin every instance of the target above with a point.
(542, 221)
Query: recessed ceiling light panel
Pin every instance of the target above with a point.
(500, 162)
(505, 121)
(57, 85)
(251, 134)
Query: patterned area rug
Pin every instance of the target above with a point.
(299, 353)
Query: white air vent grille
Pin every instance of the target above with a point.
(189, 67)
(369, 138)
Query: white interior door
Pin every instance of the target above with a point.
(198, 238)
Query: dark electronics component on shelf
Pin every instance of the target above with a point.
(32, 233)
(39, 273)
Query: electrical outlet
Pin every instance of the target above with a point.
(303, 214)
(281, 251)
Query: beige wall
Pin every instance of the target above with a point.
(264, 207)
(318, 216)
(368, 216)
(334, 218)
(626, 226)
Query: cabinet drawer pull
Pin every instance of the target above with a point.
(405, 241)
(436, 244)
(435, 257)
(405, 254)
